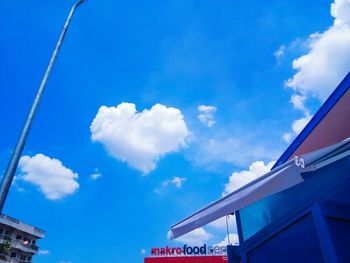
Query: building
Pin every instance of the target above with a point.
(300, 210)
(189, 259)
(18, 240)
(188, 254)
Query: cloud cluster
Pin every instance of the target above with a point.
(299, 124)
(328, 60)
(50, 175)
(196, 237)
(231, 239)
(236, 180)
(323, 67)
(139, 138)
(221, 223)
(176, 182)
(239, 179)
(206, 115)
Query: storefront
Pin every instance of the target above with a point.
(300, 210)
(188, 254)
(188, 259)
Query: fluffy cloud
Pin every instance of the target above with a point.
(176, 182)
(50, 175)
(287, 137)
(239, 179)
(220, 224)
(95, 175)
(323, 67)
(139, 139)
(233, 238)
(206, 115)
(143, 251)
(340, 10)
(328, 60)
(196, 237)
(298, 102)
(298, 125)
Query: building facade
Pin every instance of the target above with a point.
(300, 210)
(187, 259)
(18, 241)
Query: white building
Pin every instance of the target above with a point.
(18, 240)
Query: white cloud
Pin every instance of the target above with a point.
(143, 251)
(298, 102)
(43, 252)
(139, 139)
(94, 176)
(297, 126)
(65, 262)
(233, 238)
(221, 223)
(196, 237)
(340, 10)
(176, 182)
(50, 175)
(328, 60)
(323, 67)
(239, 179)
(279, 53)
(287, 137)
(206, 114)
(240, 151)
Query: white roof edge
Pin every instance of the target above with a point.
(314, 160)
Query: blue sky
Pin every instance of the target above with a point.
(153, 110)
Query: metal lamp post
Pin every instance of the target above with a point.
(13, 163)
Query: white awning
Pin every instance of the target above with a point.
(277, 180)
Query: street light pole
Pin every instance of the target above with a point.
(13, 163)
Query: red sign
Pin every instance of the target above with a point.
(195, 259)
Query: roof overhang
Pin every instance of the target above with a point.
(277, 180)
(329, 126)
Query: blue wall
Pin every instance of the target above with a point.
(306, 223)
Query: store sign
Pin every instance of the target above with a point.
(189, 251)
